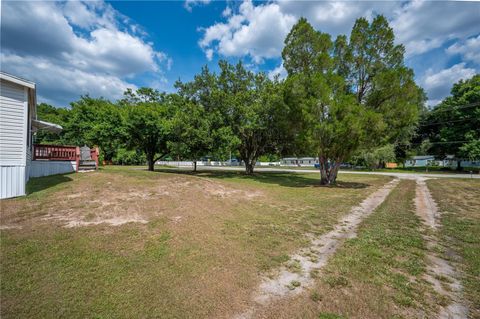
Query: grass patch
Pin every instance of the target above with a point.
(294, 284)
(329, 315)
(315, 296)
(378, 274)
(459, 203)
(388, 253)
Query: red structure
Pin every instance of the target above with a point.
(95, 153)
(62, 153)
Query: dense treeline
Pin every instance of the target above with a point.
(453, 126)
(346, 99)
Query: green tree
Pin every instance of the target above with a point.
(204, 92)
(453, 126)
(124, 156)
(348, 95)
(149, 124)
(244, 110)
(142, 95)
(306, 50)
(191, 131)
(373, 66)
(327, 121)
(376, 158)
(253, 108)
(49, 113)
(95, 121)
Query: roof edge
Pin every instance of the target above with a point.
(17, 80)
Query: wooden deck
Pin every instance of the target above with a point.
(45, 152)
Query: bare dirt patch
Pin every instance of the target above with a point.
(296, 276)
(440, 272)
(426, 206)
(113, 199)
(5, 227)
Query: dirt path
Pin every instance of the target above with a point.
(440, 273)
(297, 276)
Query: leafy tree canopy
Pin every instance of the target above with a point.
(349, 94)
(453, 126)
(244, 110)
(149, 123)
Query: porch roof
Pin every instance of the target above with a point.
(37, 124)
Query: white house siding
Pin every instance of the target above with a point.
(12, 181)
(13, 132)
(46, 168)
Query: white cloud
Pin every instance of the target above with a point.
(209, 54)
(227, 12)
(438, 84)
(78, 14)
(278, 71)
(336, 17)
(114, 52)
(420, 25)
(257, 31)
(61, 85)
(426, 25)
(189, 4)
(416, 47)
(88, 48)
(469, 49)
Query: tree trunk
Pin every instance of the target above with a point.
(328, 171)
(459, 165)
(151, 162)
(194, 166)
(151, 165)
(249, 167)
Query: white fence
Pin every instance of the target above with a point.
(211, 163)
(190, 163)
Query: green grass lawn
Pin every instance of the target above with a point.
(208, 239)
(459, 202)
(378, 274)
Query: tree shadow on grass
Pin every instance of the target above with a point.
(284, 179)
(38, 184)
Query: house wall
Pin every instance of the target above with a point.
(13, 137)
(416, 163)
(12, 181)
(470, 163)
(45, 168)
(453, 164)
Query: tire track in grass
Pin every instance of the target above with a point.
(440, 273)
(296, 278)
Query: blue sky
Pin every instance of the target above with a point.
(101, 48)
